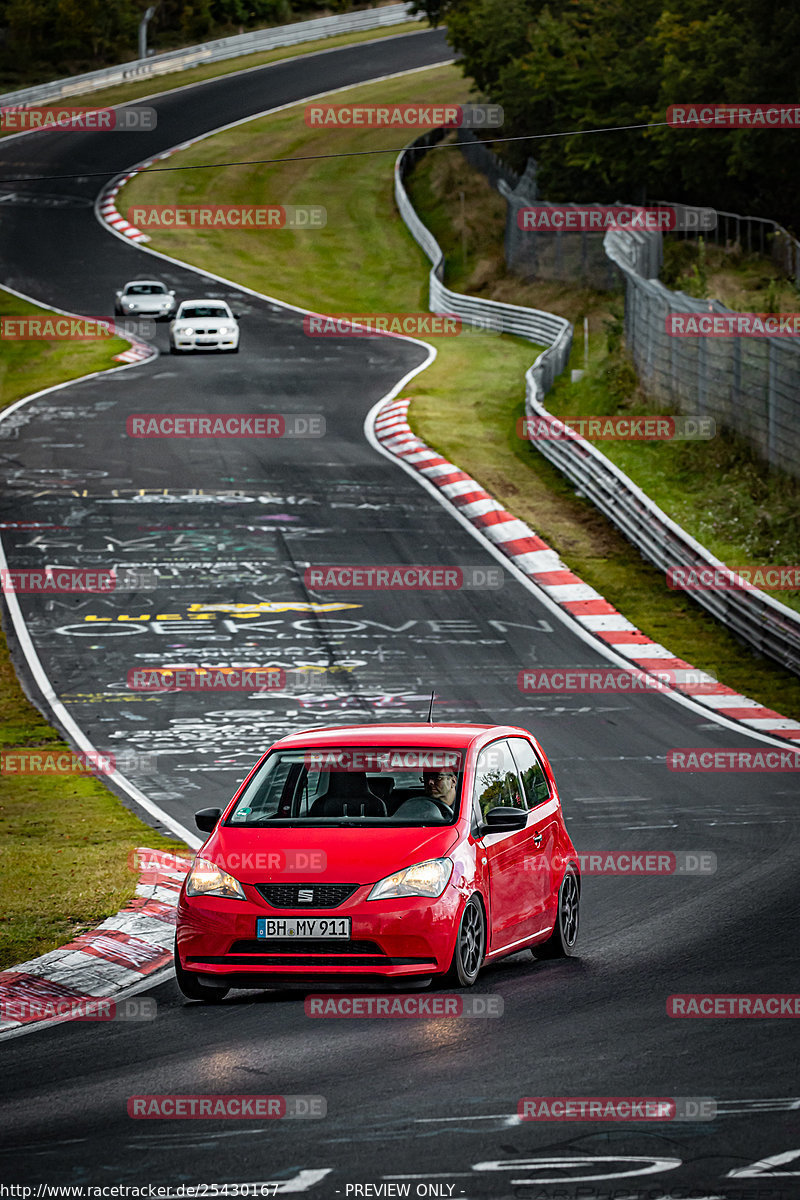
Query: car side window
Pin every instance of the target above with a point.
(496, 780)
(531, 771)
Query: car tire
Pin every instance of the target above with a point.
(470, 948)
(191, 987)
(173, 349)
(564, 938)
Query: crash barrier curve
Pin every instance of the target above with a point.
(255, 42)
(761, 621)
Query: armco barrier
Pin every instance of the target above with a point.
(755, 617)
(545, 328)
(217, 51)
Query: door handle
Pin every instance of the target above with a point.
(537, 839)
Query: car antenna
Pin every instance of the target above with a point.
(430, 709)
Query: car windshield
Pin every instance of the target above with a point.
(145, 289)
(353, 787)
(204, 310)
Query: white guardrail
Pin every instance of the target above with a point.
(758, 619)
(209, 52)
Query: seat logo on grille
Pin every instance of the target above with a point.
(306, 895)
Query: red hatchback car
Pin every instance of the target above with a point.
(388, 852)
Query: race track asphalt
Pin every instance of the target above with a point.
(234, 523)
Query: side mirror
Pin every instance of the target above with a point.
(237, 316)
(206, 819)
(504, 820)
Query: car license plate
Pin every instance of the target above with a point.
(303, 927)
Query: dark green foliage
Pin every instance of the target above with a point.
(44, 39)
(582, 64)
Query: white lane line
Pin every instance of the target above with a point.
(724, 1109)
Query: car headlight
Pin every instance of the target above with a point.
(423, 879)
(227, 329)
(207, 879)
(186, 330)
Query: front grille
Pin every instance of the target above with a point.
(325, 895)
(303, 946)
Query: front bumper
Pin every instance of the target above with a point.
(222, 342)
(153, 314)
(389, 938)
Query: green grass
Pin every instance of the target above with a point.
(466, 405)
(746, 282)
(719, 491)
(362, 260)
(65, 839)
(124, 93)
(27, 367)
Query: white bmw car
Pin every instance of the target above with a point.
(204, 325)
(145, 298)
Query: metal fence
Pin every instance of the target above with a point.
(254, 42)
(758, 235)
(755, 617)
(749, 385)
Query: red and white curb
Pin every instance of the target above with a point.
(123, 950)
(107, 206)
(138, 352)
(542, 565)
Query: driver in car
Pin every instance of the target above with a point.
(440, 785)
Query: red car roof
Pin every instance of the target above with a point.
(411, 734)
